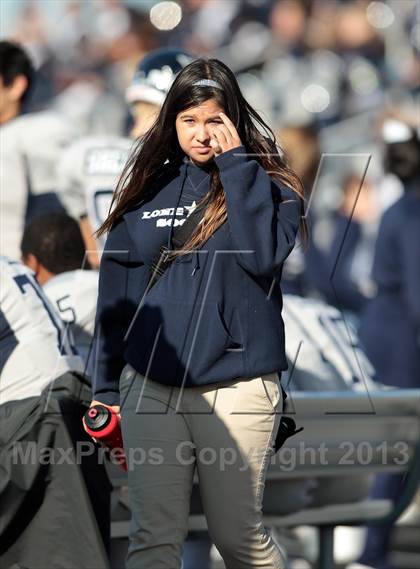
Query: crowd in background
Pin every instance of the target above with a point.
(300, 61)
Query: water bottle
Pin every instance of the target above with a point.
(103, 424)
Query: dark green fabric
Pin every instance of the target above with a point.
(53, 514)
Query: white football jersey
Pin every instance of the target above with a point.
(34, 346)
(89, 171)
(30, 147)
(322, 348)
(74, 296)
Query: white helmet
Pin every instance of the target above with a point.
(155, 74)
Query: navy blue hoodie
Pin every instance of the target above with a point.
(215, 314)
(390, 324)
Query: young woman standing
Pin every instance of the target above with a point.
(199, 355)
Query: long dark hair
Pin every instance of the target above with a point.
(161, 144)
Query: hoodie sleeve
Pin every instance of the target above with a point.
(263, 215)
(409, 237)
(122, 280)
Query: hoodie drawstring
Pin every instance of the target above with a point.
(197, 263)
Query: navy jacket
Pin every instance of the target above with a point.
(348, 246)
(390, 323)
(215, 315)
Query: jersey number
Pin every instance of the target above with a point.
(25, 284)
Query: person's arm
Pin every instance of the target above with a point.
(71, 191)
(122, 279)
(91, 244)
(338, 285)
(70, 183)
(410, 251)
(263, 215)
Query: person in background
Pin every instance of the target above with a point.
(17, 75)
(345, 234)
(302, 149)
(89, 169)
(16, 79)
(53, 248)
(340, 272)
(34, 347)
(43, 395)
(30, 144)
(390, 323)
(151, 82)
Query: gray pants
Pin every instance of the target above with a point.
(224, 430)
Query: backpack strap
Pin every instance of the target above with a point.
(180, 236)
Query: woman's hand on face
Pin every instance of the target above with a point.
(115, 408)
(224, 136)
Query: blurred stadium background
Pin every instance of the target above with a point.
(300, 62)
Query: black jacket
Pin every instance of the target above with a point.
(54, 512)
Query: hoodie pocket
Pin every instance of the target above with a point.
(236, 342)
(213, 349)
(185, 337)
(211, 331)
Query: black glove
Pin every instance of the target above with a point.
(287, 427)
